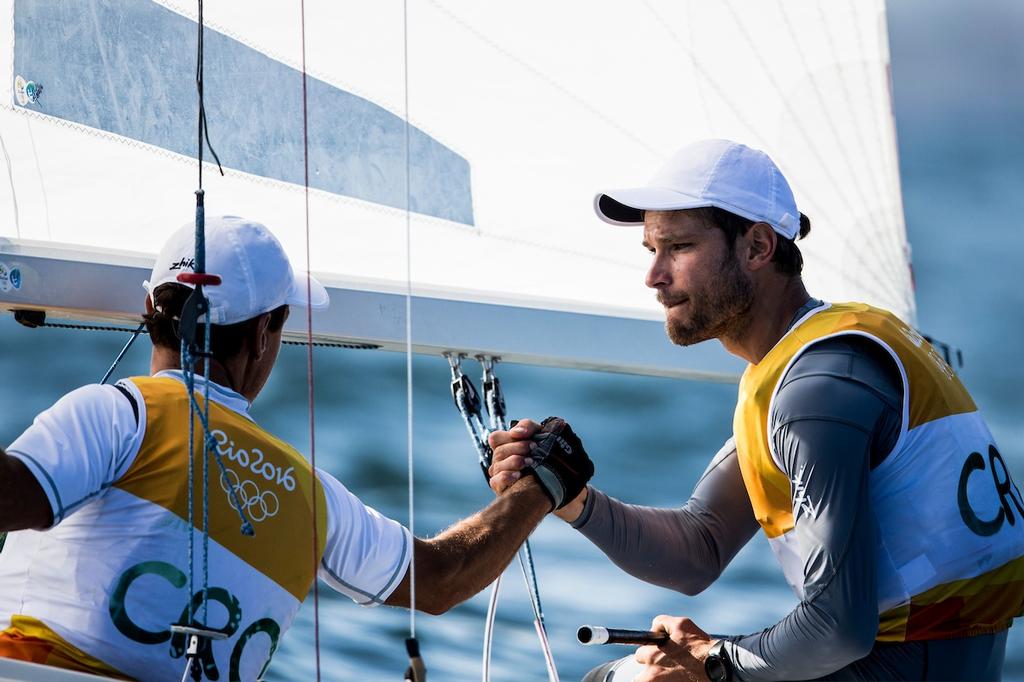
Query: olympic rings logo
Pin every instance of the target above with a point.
(257, 505)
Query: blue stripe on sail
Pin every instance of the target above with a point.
(128, 67)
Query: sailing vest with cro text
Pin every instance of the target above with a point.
(950, 545)
(128, 582)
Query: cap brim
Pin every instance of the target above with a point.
(313, 295)
(627, 206)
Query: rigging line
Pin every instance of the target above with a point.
(206, 472)
(185, 355)
(191, 483)
(763, 142)
(309, 348)
(549, 80)
(199, 89)
(408, 322)
(39, 172)
(492, 611)
(14, 194)
(120, 356)
(884, 253)
(468, 402)
(203, 132)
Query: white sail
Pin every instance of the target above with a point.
(518, 113)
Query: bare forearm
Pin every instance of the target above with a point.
(468, 556)
(23, 503)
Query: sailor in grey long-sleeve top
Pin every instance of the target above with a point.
(836, 416)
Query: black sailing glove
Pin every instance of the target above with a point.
(559, 461)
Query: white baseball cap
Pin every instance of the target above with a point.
(256, 275)
(719, 173)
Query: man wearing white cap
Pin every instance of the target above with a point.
(855, 449)
(103, 475)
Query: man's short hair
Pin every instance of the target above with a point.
(225, 340)
(787, 257)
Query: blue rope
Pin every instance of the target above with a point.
(186, 362)
(206, 472)
(211, 446)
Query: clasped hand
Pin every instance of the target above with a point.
(551, 451)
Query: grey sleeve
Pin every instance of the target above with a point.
(683, 549)
(836, 415)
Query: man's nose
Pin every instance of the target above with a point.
(658, 274)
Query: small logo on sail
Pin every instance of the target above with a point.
(26, 92)
(10, 278)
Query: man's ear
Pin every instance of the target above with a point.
(149, 305)
(761, 241)
(260, 338)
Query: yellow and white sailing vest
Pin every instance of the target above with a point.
(950, 545)
(275, 487)
(126, 581)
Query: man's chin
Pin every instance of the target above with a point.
(685, 336)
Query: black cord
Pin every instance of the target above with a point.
(204, 129)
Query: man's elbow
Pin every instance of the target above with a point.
(852, 641)
(694, 583)
(691, 581)
(434, 607)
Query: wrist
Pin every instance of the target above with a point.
(572, 511)
(531, 488)
(717, 665)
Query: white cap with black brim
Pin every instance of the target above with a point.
(719, 173)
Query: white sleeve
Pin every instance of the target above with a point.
(367, 554)
(81, 445)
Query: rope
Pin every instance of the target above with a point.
(191, 486)
(309, 349)
(91, 327)
(206, 472)
(467, 401)
(120, 356)
(416, 672)
(142, 330)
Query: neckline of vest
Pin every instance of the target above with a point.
(222, 395)
(823, 306)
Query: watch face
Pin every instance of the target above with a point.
(714, 668)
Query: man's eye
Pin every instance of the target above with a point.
(681, 245)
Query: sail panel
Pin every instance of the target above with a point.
(518, 114)
(138, 83)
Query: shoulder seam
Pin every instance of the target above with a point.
(131, 399)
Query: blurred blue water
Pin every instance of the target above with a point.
(959, 110)
(649, 437)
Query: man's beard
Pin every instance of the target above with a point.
(719, 311)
